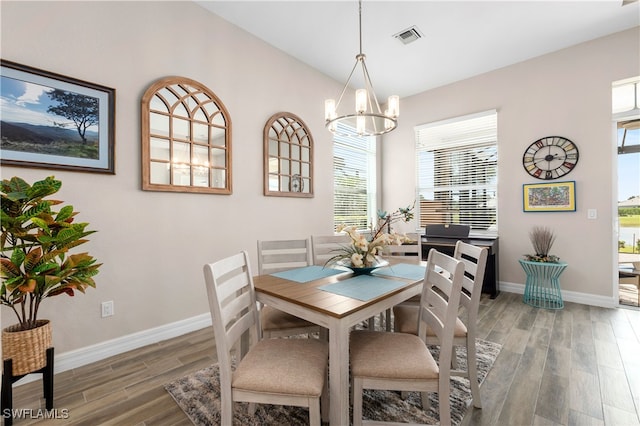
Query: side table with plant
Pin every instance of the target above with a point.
(542, 286)
(35, 264)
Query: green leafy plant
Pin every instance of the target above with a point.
(34, 260)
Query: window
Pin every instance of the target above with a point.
(626, 113)
(354, 174)
(186, 138)
(457, 172)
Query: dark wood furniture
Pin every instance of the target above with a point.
(448, 245)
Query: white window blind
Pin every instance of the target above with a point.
(457, 172)
(354, 174)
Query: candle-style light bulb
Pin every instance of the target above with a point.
(360, 124)
(361, 101)
(393, 106)
(329, 109)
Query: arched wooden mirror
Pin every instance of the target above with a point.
(288, 157)
(186, 138)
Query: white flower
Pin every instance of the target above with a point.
(370, 259)
(361, 243)
(356, 260)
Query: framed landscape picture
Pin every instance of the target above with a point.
(55, 122)
(550, 197)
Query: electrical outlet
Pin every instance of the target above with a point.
(592, 214)
(107, 309)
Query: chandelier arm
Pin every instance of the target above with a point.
(370, 91)
(344, 89)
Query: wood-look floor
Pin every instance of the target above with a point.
(576, 366)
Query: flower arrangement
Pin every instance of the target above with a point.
(542, 239)
(362, 251)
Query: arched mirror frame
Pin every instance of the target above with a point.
(198, 124)
(288, 157)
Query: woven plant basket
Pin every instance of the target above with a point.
(27, 349)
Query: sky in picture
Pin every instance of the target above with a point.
(24, 102)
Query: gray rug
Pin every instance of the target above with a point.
(198, 395)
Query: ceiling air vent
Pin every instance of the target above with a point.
(409, 35)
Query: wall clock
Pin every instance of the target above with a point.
(550, 157)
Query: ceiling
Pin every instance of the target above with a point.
(460, 39)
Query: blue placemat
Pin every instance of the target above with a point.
(403, 270)
(363, 287)
(307, 273)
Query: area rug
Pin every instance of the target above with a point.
(198, 395)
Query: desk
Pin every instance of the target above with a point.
(336, 313)
(448, 245)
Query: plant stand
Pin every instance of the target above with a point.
(542, 288)
(8, 379)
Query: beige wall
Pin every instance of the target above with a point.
(153, 245)
(566, 93)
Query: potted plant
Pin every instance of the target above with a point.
(361, 254)
(35, 264)
(542, 239)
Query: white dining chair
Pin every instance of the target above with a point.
(406, 316)
(402, 361)
(401, 250)
(276, 256)
(271, 371)
(324, 247)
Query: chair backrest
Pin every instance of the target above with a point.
(475, 262)
(406, 249)
(440, 301)
(274, 256)
(232, 302)
(324, 247)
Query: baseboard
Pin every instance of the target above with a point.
(567, 296)
(89, 354)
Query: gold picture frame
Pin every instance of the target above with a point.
(549, 197)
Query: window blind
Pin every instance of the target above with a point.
(457, 164)
(354, 174)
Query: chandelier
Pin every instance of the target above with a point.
(367, 118)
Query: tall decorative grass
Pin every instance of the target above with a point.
(542, 238)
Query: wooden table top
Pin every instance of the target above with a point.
(308, 295)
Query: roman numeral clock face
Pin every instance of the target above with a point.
(550, 157)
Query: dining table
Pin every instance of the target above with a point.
(338, 299)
